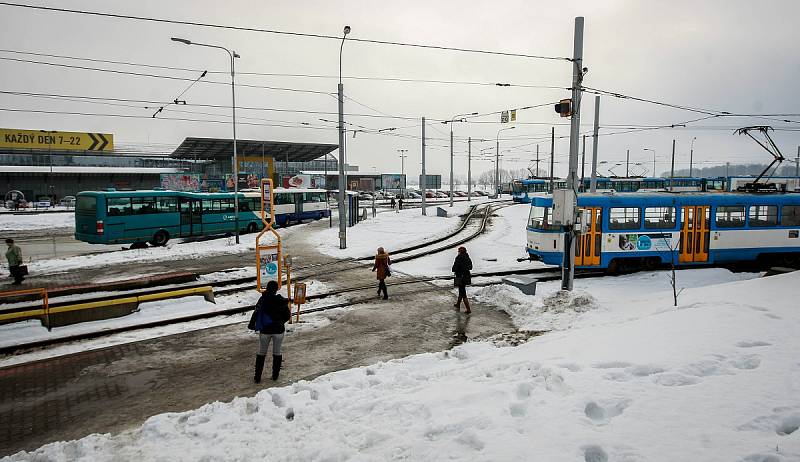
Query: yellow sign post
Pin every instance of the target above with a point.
(269, 258)
(61, 141)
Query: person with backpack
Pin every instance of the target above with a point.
(271, 313)
(461, 268)
(381, 265)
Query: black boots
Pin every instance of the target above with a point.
(259, 368)
(276, 366)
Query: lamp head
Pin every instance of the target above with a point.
(184, 41)
(346, 30)
(236, 55)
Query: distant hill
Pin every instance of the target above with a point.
(786, 169)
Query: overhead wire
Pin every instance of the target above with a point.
(279, 32)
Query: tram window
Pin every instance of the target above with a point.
(167, 204)
(624, 218)
(731, 216)
(118, 206)
(790, 215)
(763, 215)
(540, 219)
(659, 217)
(143, 205)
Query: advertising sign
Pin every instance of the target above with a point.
(267, 201)
(246, 181)
(393, 181)
(366, 184)
(60, 141)
(433, 182)
(645, 242)
(187, 182)
(269, 265)
(297, 181)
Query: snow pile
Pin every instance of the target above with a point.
(714, 379)
(389, 230)
(11, 222)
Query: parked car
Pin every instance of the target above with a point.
(430, 194)
(474, 194)
(441, 194)
(67, 201)
(461, 194)
(389, 195)
(365, 197)
(413, 195)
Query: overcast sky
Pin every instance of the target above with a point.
(736, 56)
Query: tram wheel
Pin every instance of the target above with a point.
(252, 227)
(160, 239)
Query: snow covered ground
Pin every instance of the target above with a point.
(627, 377)
(24, 222)
(390, 230)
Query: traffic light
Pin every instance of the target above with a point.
(564, 107)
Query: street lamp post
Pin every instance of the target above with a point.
(402, 167)
(454, 119)
(342, 158)
(497, 160)
(691, 154)
(232, 54)
(654, 160)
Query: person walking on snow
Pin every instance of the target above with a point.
(381, 265)
(14, 257)
(272, 312)
(462, 267)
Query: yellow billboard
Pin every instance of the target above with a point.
(61, 141)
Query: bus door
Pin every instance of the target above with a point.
(191, 217)
(298, 205)
(587, 246)
(695, 234)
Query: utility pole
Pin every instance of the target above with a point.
(568, 266)
(583, 164)
(797, 165)
(537, 160)
(552, 156)
(727, 169)
(672, 168)
(691, 154)
(469, 169)
(343, 202)
(627, 163)
(593, 184)
(424, 183)
(402, 168)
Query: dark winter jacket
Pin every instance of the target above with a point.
(462, 267)
(277, 307)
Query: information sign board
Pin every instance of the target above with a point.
(269, 265)
(60, 141)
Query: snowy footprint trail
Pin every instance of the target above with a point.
(713, 380)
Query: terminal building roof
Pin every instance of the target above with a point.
(85, 169)
(222, 149)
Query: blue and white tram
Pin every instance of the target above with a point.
(523, 190)
(647, 229)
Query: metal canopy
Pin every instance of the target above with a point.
(222, 149)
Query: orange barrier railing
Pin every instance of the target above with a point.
(44, 312)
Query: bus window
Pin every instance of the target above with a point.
(167, 204)
(211, 206)
(763, 215)
(790, 215)
(227, 205)
(283, 198)
(88, 205)
(117, 206)
(143, 205)
(730, 216)
(659, 217)
(624, 218)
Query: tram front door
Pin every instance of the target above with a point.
(587, 246)
(695, 234)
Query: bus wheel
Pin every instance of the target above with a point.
(252, 227)
(159, 239)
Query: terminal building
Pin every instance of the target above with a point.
(47, 165)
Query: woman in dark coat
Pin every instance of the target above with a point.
(276, 309)
(462, 267)
(381, 265)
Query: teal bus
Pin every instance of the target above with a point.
(139, 217)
